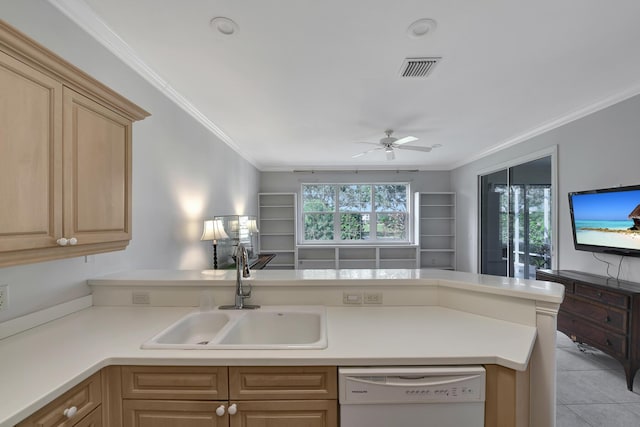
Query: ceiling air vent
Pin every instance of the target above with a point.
(418, 67)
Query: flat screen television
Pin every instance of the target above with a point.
(607, 220)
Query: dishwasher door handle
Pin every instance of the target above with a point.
(403, 381)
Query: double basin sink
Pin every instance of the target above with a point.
(266, 328)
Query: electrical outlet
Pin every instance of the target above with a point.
(373, 297)
(140, 298)
(4, 297)
(353, 298)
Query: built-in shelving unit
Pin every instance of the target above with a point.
(310, 257)
(436, 229)
(277, 219)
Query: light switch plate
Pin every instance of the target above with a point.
(140, 298)
(352, 298)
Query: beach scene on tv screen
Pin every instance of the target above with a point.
(608, 219)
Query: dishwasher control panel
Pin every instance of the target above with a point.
(412, 384)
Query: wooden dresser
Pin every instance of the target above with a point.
(602, 312)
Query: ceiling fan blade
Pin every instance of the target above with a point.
(414, 148)
(405, 140)
(355, 156)
(365, 142)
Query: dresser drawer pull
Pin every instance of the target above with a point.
(608, 343)
(607, 319)
(70, 412)
(599, 294)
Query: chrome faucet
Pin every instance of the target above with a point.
(242, 271)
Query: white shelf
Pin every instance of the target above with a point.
(435, 230)
(277, 225)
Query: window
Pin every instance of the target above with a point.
(352, 213)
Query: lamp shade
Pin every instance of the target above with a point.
(213, 230)
(252, 226)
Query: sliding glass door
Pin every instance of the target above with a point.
(516, 219)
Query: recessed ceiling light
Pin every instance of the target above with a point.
(421, 28)
(224, 25)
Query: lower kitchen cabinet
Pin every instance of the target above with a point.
(80, 406)
(237, 396)
(189, 413)
(234, 397)
(286, 413)
(94, 419)
(173, 413)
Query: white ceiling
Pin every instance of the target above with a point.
(303, 81)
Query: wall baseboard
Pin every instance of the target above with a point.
(31, 320)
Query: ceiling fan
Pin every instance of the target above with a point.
(389, 143)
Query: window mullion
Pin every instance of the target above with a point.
(336, 218)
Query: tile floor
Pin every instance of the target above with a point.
(592, 390)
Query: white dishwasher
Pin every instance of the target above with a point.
(443, 396)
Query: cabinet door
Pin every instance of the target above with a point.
(286, 413)
(30, 157)
(97, 171)
(172, 413)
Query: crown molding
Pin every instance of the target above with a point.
(554, 124)
(80, 13)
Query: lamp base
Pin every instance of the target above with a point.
(215, 256)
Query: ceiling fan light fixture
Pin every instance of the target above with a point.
(390, 154)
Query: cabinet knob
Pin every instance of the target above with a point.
(608, 342)
(73, 241)
(220, 410)
(607, 319)
(70, 412)
(62, 241)
(233, 409)
(599, 294)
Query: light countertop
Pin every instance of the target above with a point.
(39, 364)
(520, 288)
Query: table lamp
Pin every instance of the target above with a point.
(214, 230)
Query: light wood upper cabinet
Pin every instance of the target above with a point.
(65, 157)
(30, 157)
(97, 171)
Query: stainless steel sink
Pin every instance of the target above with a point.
(269, 327)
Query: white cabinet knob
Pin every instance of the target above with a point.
(233, 409)
(73, 241)
(220, 410)
(70, 412)
(62, 241)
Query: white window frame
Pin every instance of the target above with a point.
(373, 219)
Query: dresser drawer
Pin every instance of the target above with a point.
(602, 295)
(273, 383)
(174, 382)
(598, 314)
(581, 331)
(85, 397)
